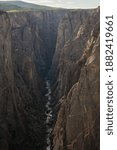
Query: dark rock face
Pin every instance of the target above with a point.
(77, 125)
(21, 110)
(28, 41)
(27, 46)
(6, 78)
(36, 33)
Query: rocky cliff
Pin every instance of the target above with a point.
(67, 30)
(77, 125)
(6, 79)
(73, 34)
(37, 32)
(27, 43)
(19, 114)
(33, 43)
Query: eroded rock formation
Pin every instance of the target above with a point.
(20, 93)
(27, 46)
(77, 126)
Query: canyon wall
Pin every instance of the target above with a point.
(27, 46)
(77, 125)
(67, 31)
(22, 112)
(36, 32)
(6, 80)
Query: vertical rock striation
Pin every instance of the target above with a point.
(77, 125)
(20, 93)
(69, 48)
(27, 43)
(6, 78)
(36, 32)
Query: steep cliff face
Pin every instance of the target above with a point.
(66, 50)
(27, 45)
(77, 126)
(20, 102)
(33, 43)
(36, 33)
(6, 78)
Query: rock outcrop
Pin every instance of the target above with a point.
(77, 125)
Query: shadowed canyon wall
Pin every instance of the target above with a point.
(21, 113)
(62, 45)
(27, 45)
(36, 32)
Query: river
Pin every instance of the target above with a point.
(48, 115)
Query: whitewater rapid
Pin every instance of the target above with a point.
(48, 116)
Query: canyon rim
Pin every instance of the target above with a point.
(49, 77)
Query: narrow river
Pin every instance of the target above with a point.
(48, 115)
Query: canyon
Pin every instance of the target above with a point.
(49, 80)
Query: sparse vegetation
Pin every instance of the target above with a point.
(14, 6)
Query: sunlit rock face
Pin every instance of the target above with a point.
(73, 34)
(77, 125)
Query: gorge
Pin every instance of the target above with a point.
(49, 79)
